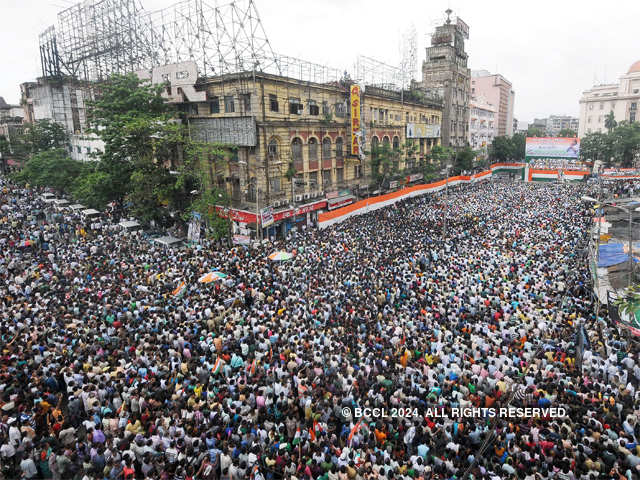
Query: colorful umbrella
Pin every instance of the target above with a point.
(211, 277)
(280, 256)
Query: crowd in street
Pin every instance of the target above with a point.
(117, 363)
(558, 163)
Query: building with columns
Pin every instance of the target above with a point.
(622, 98)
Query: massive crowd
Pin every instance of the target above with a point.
(558, 163)
(109, 371)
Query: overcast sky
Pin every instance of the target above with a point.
(550, 50)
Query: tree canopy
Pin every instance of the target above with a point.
(620, 146)
(43, 135)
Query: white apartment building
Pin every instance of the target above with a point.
(482, 123)
(64, 102)
(622, 98)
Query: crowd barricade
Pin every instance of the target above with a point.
(374, 203)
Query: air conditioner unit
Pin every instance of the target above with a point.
(307, 196)
(298, 198)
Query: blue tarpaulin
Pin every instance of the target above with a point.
(613, 254)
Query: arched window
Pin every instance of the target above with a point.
(273, 149)
(339, 153)
(396, 143)
(313, 149)
(296, 149)
(385, 141)
(326, 148)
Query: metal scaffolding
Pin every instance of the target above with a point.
(98, 38)
(374, 73)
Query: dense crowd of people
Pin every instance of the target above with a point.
(558, 163)
(111, 370)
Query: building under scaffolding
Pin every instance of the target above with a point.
(289, 120)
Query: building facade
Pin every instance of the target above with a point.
(11, 129)
(622, 98)
(557, 123)
(63, 100)
(482, 124)
(445, 70)
(499, 92)
(291, 140)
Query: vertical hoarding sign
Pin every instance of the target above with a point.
(266, 217)
(355, 119)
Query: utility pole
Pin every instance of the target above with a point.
(258, 229)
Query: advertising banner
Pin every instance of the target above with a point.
(423, 130)
(266, 217)
(414, 178)
(551, 147)
(241, 240)
(355, 119)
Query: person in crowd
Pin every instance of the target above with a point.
(108, 371)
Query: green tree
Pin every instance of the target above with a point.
(464, 160)
(567, 133)
(625, 141)
(93, 189)
(597, 146)
(43, 135)
(610, 121)
(518, 147)
(218, 227)
(535, 132)
(151, 186)
(143, 137)
(52, 168)
(384, 163)
(501, 149)
(5, 148)
(410, 150)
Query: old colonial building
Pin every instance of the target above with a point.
(622, 98)
(291, 140)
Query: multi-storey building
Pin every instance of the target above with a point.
(557, 123)
(622, 98)
(499, 92)
(63, 100)
(445, 70)
(291, 140)
(482, 124)
(11, 128)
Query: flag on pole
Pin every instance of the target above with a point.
(296, 437)
(180, 290)
(356, 428)
(251, 368)
(217, 366)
